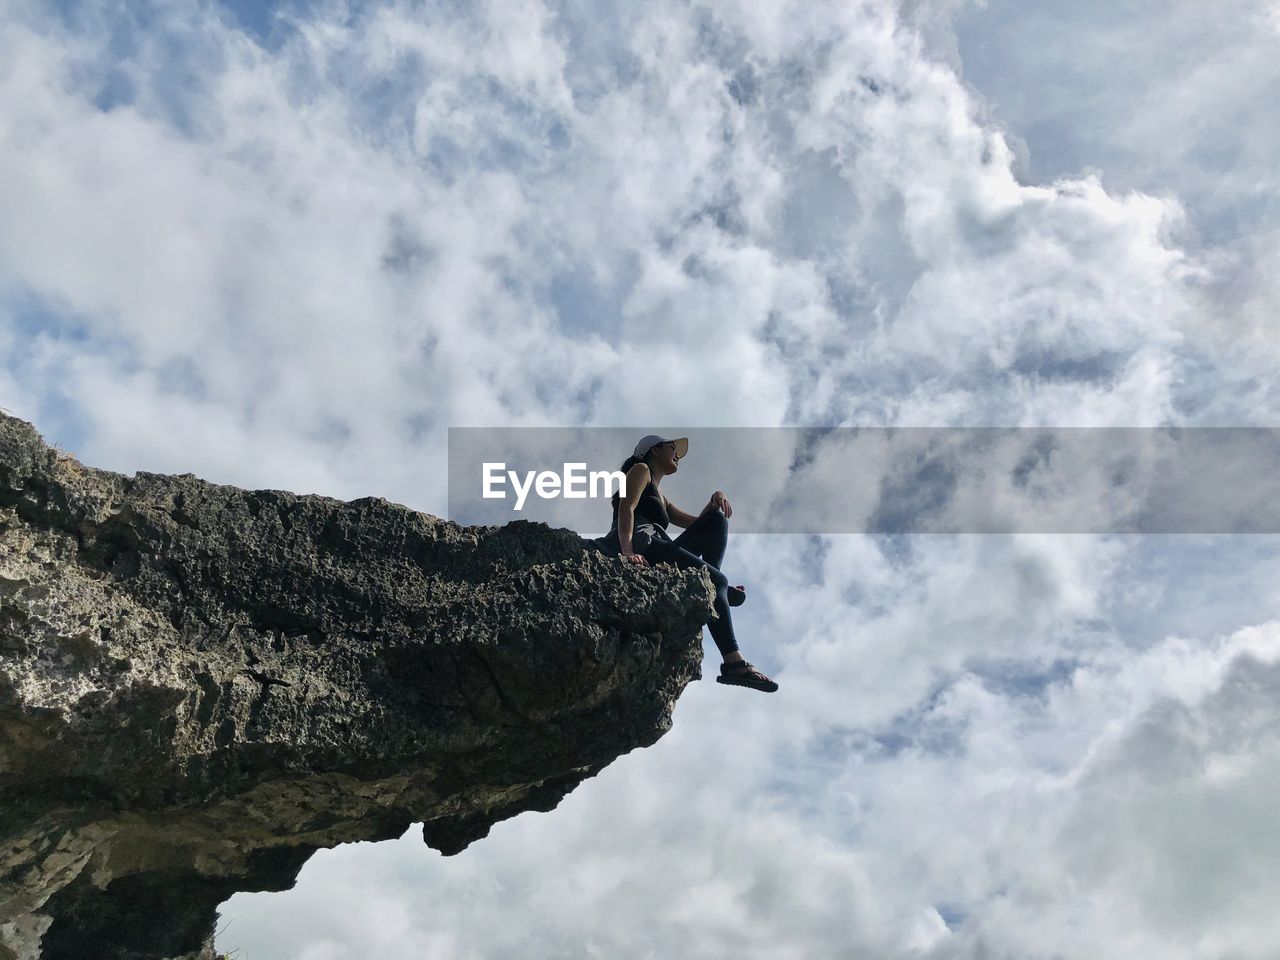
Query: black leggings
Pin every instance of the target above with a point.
(702, 544)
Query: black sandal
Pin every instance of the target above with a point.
(743, 674)
(737, 596)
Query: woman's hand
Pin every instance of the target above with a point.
(636, 558)
(719, 500)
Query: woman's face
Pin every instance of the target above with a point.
(666, 458)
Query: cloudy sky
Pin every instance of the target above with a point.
(288, 244)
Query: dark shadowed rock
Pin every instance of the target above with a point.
(201, 685)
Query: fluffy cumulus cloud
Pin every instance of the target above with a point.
(1073, 799)
(1168, 100)
(289, 244)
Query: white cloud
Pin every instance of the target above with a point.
(1073, 819)
(1166, 99)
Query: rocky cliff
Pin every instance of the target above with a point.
(201, 685)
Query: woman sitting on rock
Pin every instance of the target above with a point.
(639, 534)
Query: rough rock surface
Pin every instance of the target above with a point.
(201, 685)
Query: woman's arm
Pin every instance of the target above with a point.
(678, 516)
(637, 480)
(682, 519)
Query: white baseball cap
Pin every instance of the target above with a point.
(652, 440)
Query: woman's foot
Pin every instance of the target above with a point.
(739, 673)
(737, 596)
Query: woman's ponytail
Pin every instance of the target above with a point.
(627, 464)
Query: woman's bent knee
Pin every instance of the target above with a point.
(714, 521)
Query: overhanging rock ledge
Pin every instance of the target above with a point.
(202, 685)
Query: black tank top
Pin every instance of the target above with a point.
(650, 508)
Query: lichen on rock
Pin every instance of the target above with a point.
(202, 685)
